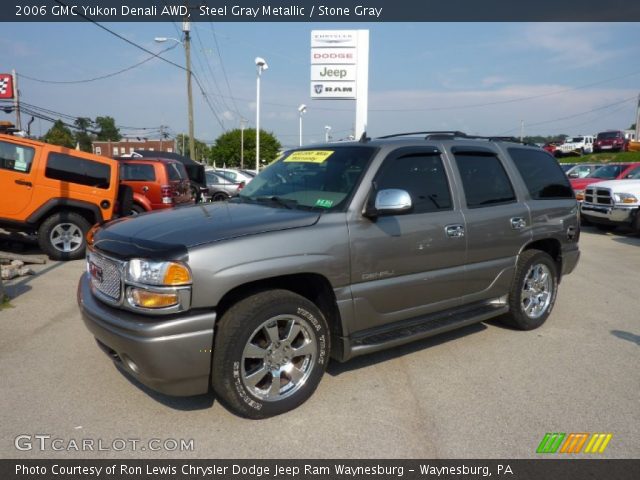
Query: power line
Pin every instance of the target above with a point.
(101, 77)
(157, 55)
(224, 71)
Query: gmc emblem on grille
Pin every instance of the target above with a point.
(95, 271)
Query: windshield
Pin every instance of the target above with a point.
(634, 174)
(608, 172)
(608, 135)
(576, 140)
(323, 178)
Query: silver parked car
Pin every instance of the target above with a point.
(335, 250)
(221, 187)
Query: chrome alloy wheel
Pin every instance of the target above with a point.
(279, 357)
(537, 291)
(66, 237)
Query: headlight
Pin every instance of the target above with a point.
(151, 272)
(625, 198)
(579, 194)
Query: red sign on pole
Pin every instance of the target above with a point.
(6, 85)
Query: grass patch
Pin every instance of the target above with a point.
(603, 157)
(4, 303)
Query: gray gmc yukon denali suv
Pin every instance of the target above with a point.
(335, 250)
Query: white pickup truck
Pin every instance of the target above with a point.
(578, 145)
(610, 204)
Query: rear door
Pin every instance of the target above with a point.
(179, 182)
(17, 179)
(410, 264)
(497, 220)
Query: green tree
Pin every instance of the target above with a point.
(59, 134)
(226, 150)
(202, 153)
(107, 129)
(82, 136)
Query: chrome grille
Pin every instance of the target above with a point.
(598, 196)
(107, 277)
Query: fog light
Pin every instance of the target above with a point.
(139, 297)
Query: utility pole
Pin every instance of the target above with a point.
(243, 124)
(522, 130)
(638, 120)
(16, 100)
(186, 28)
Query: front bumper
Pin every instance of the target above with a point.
(169, 354)
(608, 214)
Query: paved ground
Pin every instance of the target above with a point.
(485, 391)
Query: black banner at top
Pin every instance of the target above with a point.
(320, 10)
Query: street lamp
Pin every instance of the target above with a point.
(301, 109)
(243, 124)
(261, 65)
(186, 27)
(327, 129)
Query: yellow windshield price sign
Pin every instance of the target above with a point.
(309, 156)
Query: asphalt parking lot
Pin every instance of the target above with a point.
(482, 392)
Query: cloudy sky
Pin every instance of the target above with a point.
(482, 78)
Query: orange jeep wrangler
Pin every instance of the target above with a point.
(57, 193)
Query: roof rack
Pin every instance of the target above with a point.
(448, 135)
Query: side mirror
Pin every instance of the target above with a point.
(391, 201)
(574, 175)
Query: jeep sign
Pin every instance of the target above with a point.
(333, 72)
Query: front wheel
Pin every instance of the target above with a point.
(533, 291)
(62, 236)
(271, 350)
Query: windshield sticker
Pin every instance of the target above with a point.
(309, 156)
(321, 202)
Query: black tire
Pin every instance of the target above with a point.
(243, 346)
(195, 193)
(219, 197)
(635, 225)
(524, 280)
(137, 209)
(62, 236)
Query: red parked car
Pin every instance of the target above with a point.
(612, 171)
(611, 140)
(157, 183)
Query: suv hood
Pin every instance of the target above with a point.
(627, 186)
(169, 233)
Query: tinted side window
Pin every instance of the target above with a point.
(77, 170)
(542, 174)
(138, 172)
(15, 157)
(174, 172)
(422, 176)
(484, 180)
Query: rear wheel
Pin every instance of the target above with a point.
(271, 350)
(136, 209)
(533, 291)
(62, 236)
(219, 197)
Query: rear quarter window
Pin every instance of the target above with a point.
(138, 172)
(541, 173)
(68, 168)
(484, 180)
(15, 157)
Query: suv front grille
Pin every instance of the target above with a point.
(105, 275)
(598, 196)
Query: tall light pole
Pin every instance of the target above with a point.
(327, 129)
(186, 28)
(301, 109)
(261, 65)
(243, 124)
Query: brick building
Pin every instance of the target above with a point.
(126, 146)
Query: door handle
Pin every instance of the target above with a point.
(24, 182)
(518, 223)
(454, 231)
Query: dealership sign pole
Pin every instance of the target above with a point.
(340, 69)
